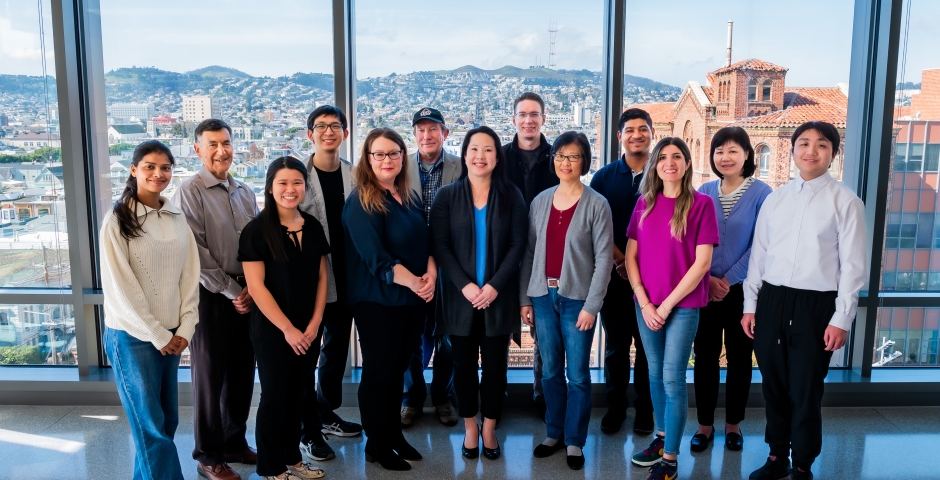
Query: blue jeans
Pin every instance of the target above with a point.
(568, 408)
(667, 351)
(148, 386)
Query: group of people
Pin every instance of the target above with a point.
(434, 254)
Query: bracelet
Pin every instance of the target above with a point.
(636, 285)
(644, 305)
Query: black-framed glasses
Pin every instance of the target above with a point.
(380, 156)
(321, 127)
(568, 158)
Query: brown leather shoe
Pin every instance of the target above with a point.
(248, 456)
(217, 472)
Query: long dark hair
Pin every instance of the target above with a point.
(125, 209)
(499, 179)
(270, 222)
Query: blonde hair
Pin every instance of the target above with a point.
(652, 185)
(371, 193)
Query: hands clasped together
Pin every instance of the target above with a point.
(480, 298)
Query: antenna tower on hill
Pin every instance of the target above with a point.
(552, 30)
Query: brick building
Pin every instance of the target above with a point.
(751, 94)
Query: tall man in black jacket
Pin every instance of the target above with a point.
(529, 165)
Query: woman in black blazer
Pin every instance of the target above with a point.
(478, 235)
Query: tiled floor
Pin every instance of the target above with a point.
(859, 443)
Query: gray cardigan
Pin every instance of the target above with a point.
(313, 204)
(588, 261)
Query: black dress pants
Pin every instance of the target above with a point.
(387, 336)
(471, 351)
(788, 342)
(277, 429)
(618, 317)
(324, 390)
(223, 375)
(722, 321)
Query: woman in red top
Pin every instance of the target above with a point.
(564, 277)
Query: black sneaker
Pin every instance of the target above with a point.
(797, 474)
(612, 421)
(341, 428)
(317, 449)
(778, 469)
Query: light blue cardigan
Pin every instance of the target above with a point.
(730, 257)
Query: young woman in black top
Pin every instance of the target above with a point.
(478, 233)
(391, 276)
(279, 250)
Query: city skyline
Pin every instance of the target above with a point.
(294, 36)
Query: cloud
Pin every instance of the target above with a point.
(18, 44)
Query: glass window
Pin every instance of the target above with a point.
(912, 246)
(932, 157)
(916, 158)
(162, 77)
(262, 70)
(764, 160)
(748, 82)
(37, 335)
(412, 54)
(33, 233)
(906, 337)
(765, 91)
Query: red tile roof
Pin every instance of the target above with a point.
(710, 92)
(750, 64)
(660, 112)
(800, 105)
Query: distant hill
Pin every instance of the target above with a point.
(218, 72)
(549, 77)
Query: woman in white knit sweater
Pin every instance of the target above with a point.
(150, 275)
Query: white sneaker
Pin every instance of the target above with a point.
(289, 476)
(305, 471)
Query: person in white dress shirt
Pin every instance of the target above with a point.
(800, 296)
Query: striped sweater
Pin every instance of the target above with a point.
(151, 283)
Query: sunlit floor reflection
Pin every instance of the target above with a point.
(863, 443)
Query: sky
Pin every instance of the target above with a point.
(810, 37)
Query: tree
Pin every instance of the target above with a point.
(120, 147)
(178, 130)
(20, 355)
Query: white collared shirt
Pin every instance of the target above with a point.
(810, 235)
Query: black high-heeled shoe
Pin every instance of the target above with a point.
(492, 453)
(471, 453)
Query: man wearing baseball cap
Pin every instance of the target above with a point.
(434, 169)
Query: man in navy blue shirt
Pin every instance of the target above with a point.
(619, 183)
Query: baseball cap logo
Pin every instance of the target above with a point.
(425, 112)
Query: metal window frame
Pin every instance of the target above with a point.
(80, 88)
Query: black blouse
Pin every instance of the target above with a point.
(376, 242)
(293, 283)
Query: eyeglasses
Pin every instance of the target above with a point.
(380, 156)
(321, 127)
(568, 158)
(523, 115)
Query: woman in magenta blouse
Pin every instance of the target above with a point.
(671, 236)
